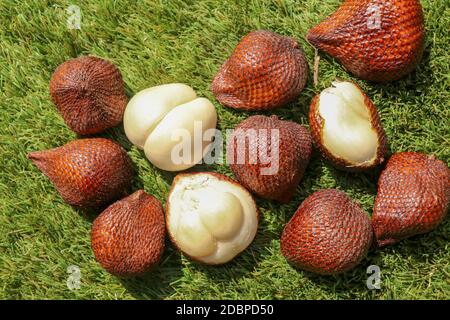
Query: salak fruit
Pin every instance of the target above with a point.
(89, 94)
(128, 237)
(329, 234)
(166, 120)
(413, 197)
(346, 127)
(376, 40)
(88, 173)
(265, 71)
(209, 217)
(269, 156)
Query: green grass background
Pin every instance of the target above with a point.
(155, 42)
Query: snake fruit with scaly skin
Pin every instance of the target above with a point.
(376, 40)
(251, 153)
(89, 94)
(329, 234)
(128, 237)
(413, 197)
(265, 71)
(88, 173)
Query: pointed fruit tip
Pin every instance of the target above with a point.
(311, 37)
(138, 195)
(39, 159)
(34, 155)
(37, 156)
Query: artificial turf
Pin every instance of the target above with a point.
(156, 42)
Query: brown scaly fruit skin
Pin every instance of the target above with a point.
(316, 124)
(377, 54)
(295, 148)
(265, 71)
(329, 234)
(128, 237)
(413, 197)
(88, 173)
(175, 180)
(89, 94)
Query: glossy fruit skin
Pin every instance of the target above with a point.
(128, 237)
(295, 149)
(88, 173)
(413, 197)
(377, 52)
(265, 71)
(89, 94)
(316, 125)
(329, 234)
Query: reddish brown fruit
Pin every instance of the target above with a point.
(128, 237)
(89, 93)
(329, 234)
(346, 127)
(413, 197)
(269, 156)
(88, 173)
(265, 71)
(377, 40)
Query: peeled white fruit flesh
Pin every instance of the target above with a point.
(348, 132)
(164, 119)
(210, 218)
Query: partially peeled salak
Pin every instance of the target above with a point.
(346, 127)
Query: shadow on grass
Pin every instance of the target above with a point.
(245, 263)
(356, 182)
(157, 283)
(350, 182)
(421, 76)
(422, 246)
(351, 284)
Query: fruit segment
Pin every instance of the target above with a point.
(346, 127)
(221, 213)
(195, 238)
(210, 217)
(166, 121)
